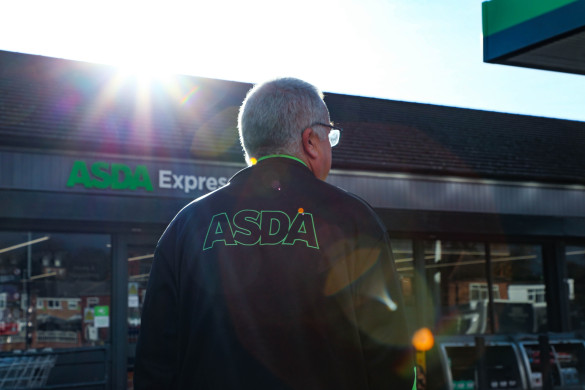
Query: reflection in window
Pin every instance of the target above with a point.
(139, 264)
(517, 271)
(403, 259)
(404, 262)
(479, 292)
(575, 258)
(56, 288)
(452, 268)
(459, 285)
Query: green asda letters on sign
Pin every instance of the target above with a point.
(103, 175)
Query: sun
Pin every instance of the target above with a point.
(144, 69)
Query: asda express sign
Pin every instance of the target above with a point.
(103, 175)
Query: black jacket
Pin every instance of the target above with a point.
(278, 280)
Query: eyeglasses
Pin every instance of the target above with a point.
(334, 133)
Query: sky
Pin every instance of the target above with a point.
(424, 51)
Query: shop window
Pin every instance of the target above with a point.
(404, 263)
(452, 268)
(139, 264)
(575, 283)
(517, 270)
(459, 286)
(57, 288)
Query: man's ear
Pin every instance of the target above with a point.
(310, 143)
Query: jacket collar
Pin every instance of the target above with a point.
(280, 162)
(282, 156)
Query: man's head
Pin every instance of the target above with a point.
(277, 117)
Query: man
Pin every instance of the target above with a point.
(278, 280)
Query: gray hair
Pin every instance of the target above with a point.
(274, 114)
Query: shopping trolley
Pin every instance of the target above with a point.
(25, 372)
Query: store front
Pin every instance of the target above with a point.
(495, 305)
(78, 234)
(77, 239)
(485, 211)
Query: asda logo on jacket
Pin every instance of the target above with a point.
(265, 227)
(116, 176)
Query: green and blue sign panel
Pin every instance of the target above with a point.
(511, 26)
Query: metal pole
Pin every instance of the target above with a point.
(422, 317)
(482, 380)
(28, 315)
(490, 282)
(119, 312)
(545, 364)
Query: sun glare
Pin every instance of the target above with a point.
(144, 71)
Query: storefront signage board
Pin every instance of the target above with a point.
(111, 175)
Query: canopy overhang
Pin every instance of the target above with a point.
(539, 34)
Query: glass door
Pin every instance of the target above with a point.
(139, 264)
(140, 256)
(575, 259)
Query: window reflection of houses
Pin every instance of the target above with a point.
(58, 322)
(475, 286)
(49, 286)
(480, 292)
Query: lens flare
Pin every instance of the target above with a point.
(360, 261)
(192, 92)
(423, 339)
(216, 135)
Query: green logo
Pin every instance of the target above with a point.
(101, 311)
(266, 227)
(104, 175)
